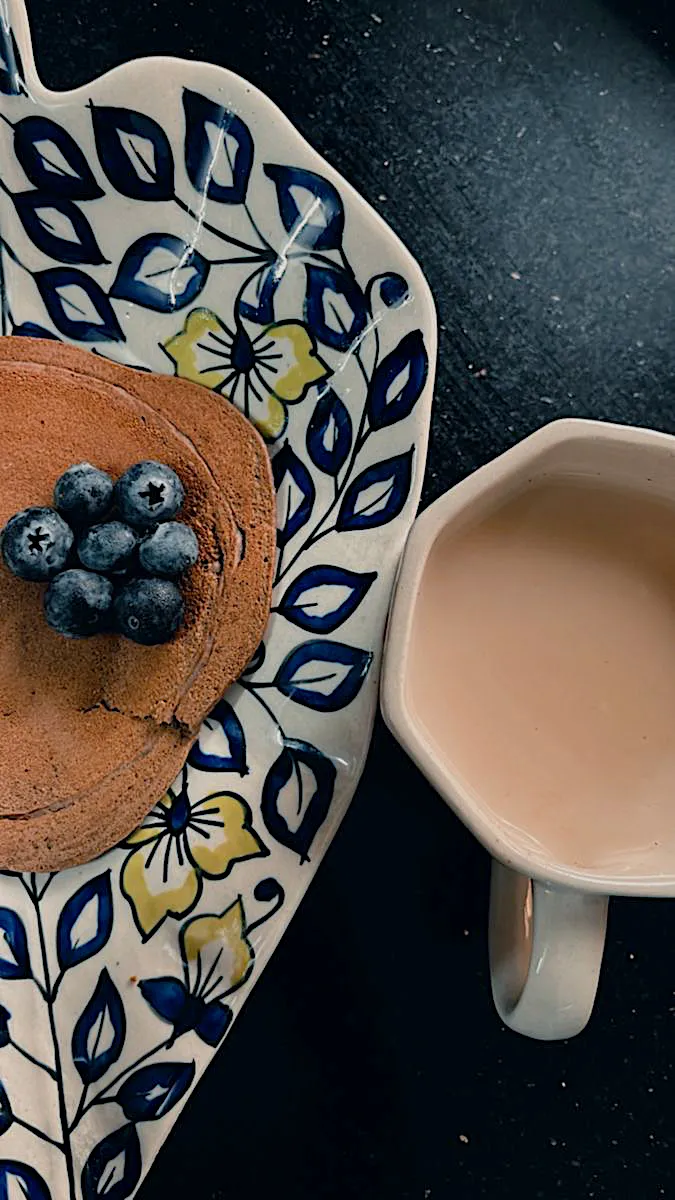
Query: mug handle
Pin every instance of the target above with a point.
(546, 947)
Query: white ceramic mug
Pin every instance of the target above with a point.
(547, 919)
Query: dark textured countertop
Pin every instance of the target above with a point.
(525, 151)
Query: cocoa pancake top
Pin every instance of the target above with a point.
(93, 731)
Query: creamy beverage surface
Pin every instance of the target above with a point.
(543, 669)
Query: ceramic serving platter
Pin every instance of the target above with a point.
(168, 216)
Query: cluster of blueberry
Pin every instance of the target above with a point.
(127, 544)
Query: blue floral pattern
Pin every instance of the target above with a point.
(183, 227)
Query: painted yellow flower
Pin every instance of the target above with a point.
(217, 949)
(217, 959)
(182, 842)
(262, 375)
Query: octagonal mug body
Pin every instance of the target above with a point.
(530, 673)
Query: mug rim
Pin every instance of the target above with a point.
(398, 714)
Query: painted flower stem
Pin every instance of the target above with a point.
(57, 984)
(252, 689)
(244, 258)
(102, 1097)
(31, 1059)
(13, 256)
(44, 1137)
(81, 1106)
(319, 531)
(278, 902)
(361, 438)
(32, 892)
(48, 881)
(219, 233)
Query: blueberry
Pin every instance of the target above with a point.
(170, 550)
(36, 544)
(149, 611)
(83, 494)
(148, 493)
(78, 603)
(107, 547)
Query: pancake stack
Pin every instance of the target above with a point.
(95, 730)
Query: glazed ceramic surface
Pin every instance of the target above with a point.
(547, 916)
(167, 216)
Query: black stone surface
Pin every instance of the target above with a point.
(525, 151)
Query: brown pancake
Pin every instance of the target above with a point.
(94, 731)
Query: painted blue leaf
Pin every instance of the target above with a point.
(134, 152)
(53, 161)
(397, 382)
(221, 745)
(297, 796)
(98, 1036)
(166, 996)
(11, 70)
(58, 228)
(295, 493)
(5, 1018)
(329, 433)
(310, 208)
(18, 1181)
(6, 1114)
(77, 305)
(113, 1169)
(322, 597)
(161, 272)
(170, 1000)
(218, 149)
(30, 329)
(378, 494)
(151, 1092)
(335, 307)
(85, 923)
(214, 1022)
(14, 958)
(257, 301)
(323, 675)
(394, 289)
(257, 661)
